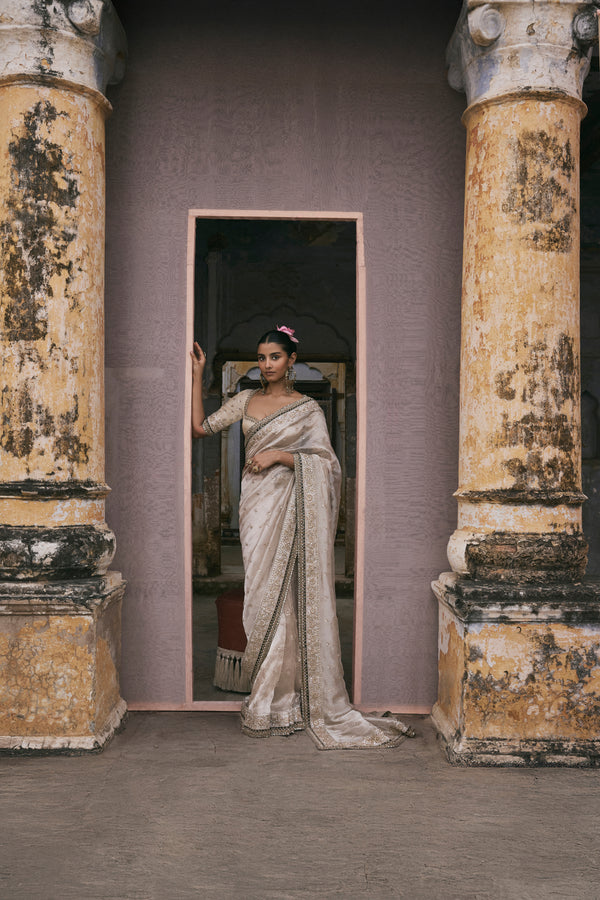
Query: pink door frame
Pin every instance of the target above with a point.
(193, 215)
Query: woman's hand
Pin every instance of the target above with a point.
(198, 363)
(267, 458)
(198, 360)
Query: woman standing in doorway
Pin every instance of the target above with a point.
(288, 518)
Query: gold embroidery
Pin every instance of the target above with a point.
(259, 640)
(262, 423)
(273, 724)
(301, 612)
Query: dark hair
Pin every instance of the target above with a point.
(281, 338)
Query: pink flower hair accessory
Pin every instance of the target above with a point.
(289, 331)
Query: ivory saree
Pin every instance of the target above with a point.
(288, 520)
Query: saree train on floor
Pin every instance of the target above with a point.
(288, 521)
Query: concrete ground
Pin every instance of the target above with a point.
(182, 805)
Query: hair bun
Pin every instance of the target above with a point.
(289, 331)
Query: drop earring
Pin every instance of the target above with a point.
(263, 383)
(290, 380)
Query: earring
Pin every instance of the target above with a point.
(290, 380)
(263, 382)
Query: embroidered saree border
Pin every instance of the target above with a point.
(259, 640)
(261, 423)
(301, 592)
(308, 603)
(280, 724)
(309, 616)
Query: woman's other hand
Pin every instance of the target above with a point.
(267, 458)
(198, 360)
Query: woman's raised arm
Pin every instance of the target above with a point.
(198, 363)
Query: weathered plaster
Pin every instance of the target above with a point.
(520, 433)
(78, 42)
(450, 667)
(46, 669)
(59, 647)
(520, 46)
(511, 556)
(532, 681)
(68, 551)
(520, 321)
(51, 318)
(519, 673)
(530, 517)
(59, 659)
(521, 685)
(51, 512)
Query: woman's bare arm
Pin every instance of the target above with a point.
(198, 363)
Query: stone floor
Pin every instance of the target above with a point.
(182, 805)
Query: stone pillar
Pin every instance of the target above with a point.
(519, 641)
(59, 604)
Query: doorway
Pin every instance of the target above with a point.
(251, 272)
(590, 330)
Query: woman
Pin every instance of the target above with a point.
(288, 518)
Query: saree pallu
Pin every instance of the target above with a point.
(288, 521)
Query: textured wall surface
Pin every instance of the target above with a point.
(303, 107)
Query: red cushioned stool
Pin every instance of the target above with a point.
(231, 642)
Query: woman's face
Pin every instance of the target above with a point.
(273, 361)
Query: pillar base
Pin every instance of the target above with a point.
(462, 751)
(60, 647)
(519, 673)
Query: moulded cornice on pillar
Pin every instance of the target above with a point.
(510, 47)
(80, 42)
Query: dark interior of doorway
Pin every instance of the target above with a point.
(252, 274)
(590, 313)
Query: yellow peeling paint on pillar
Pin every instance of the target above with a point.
(59, 668)
(520, 422)
(520, 429)
(51, 283)
(59, 605)
(539, 681)
(451, 668)
(519, 631)
(519, 673)
(53, 513)
(51, 300)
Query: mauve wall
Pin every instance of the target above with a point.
(299, 106)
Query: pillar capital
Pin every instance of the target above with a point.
(512, 47)
(80, 42)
